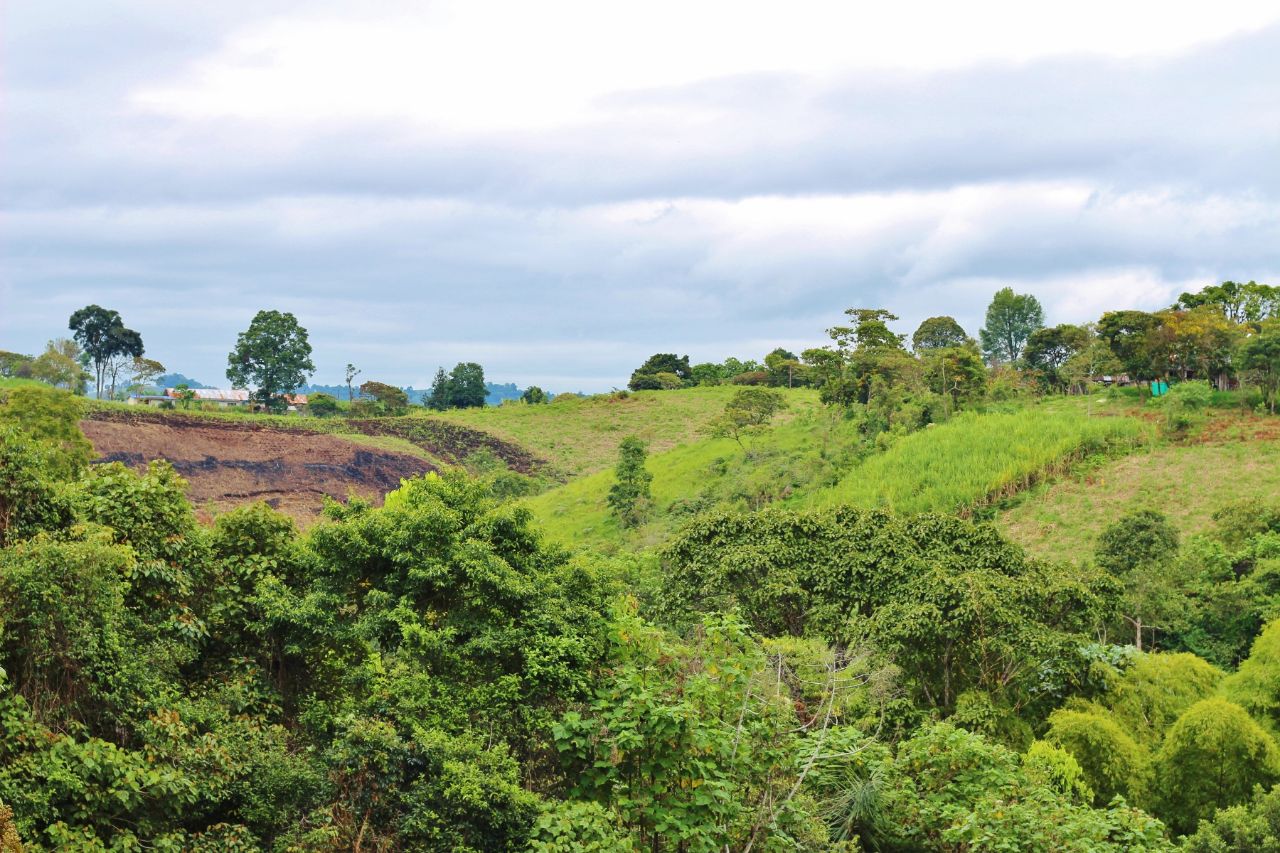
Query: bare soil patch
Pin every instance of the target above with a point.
(231, 463)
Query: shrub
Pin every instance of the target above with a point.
(322, 405)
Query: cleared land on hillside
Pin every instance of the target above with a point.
(228, 463)
(1232, 458)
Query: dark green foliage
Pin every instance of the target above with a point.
(272, 356)
(647, 376)
(1252, 827)
(388, 399)
(957, 607)
(1260, 359)
(462, 388)
(103, 337)
(1127, 333)
(629, 497)
(534, 395)
(1049, 349)
(938, 333)
(1011, 320)
(322, 405)
(1141, 537)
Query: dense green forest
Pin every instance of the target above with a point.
(744, 606)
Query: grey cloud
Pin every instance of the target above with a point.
(405, 251)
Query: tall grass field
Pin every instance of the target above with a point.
(975, 459)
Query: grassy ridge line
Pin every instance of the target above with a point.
(581, 435)
(976, 459)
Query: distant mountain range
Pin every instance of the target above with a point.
(496, 392)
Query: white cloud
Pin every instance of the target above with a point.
(471, 65)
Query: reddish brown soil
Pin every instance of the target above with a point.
(231, 463)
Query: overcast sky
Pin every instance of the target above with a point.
(559, 189)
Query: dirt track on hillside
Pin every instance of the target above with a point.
(232, 463)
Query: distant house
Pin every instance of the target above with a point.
(218, 397)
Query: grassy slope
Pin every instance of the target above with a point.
(1235, 457)
(580, 436)
(975, 458)
(962, 463)
(792, 455)
(8, 382)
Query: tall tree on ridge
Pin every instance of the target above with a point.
(1011, 318)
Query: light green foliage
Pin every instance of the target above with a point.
(272, 356)
(29, 500)
(954, 792)
(1112, 763)
(805, 447)
(976, 458)
(1256, 685)
(750, 410)
(1248, 302)
(1184, 402)
(1212, 758)
(1156, 689)
(59, 366)
(1057, 770)
(629, 496)
(1187, 483)
(575, 826)
(52, 417)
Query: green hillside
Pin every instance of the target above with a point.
(974, 458)
(579, 435)
(813, 460)
(809, 447)
(1185, 482)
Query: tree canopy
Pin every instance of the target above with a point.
(272, 356)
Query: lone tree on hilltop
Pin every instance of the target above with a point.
(629, 497)
(1011, 318)
(104, 340)
(272, 356)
